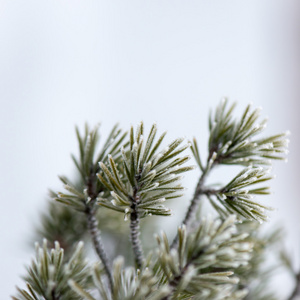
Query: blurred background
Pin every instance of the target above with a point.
(64, 63)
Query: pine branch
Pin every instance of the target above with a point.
(230, 142)
(129, 284)
(146, 178)
(83, 198)
(48, 274)
(190, 269)
(213, 259)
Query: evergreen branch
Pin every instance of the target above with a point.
(48, 275)
(230, 142)
(87, 165)
(129, 284)
(83, 197)
(213, 246)
(216, 259)
(236, 199)
(145, 172)
(151, 177)
(234, 140)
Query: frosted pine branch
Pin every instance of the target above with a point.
(221, 257)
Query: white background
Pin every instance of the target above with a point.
(63, 63)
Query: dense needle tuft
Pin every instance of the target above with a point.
(147, 175)
(49, 274)
(235, 142)
(197, 266)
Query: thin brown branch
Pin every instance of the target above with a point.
(92, 224)
(135, 232)
(193, 205)
(97, 242)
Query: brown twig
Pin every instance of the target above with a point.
(135, 231)
(199, 191)
(92, 224)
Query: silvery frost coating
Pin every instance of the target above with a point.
(49, 273)
(132, 177)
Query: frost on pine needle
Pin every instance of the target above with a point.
(147, 176)
(237, 197)
(129, 284)
(211, 258)
(235, 141)
(80, 195)
(197, 266)
(150, 174)
(49, 274)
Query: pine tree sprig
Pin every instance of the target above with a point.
(148, 172)
(129, 284)
(237, 197)
(214, 244)
(48, 274)
(151, 178)
(83, 197)
(87, 165)
(234, 140)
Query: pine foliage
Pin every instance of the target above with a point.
(48, 275)
(87, 165)
(214, 244)
(213, 257)
(151, 175)
(233, 141)
(129, 284)
(237, 196)
(63, 225)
